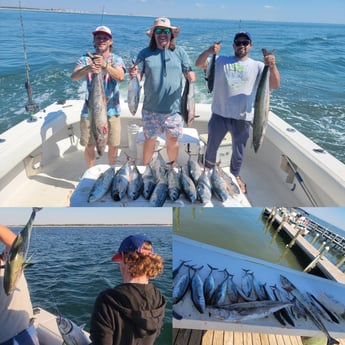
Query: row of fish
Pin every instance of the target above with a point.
(161, 181)
(249, 299)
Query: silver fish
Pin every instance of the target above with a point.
(239, 312)
(71, 333)
(232, 289)
(16, 261)
(188, 103)
(261, 109)
(120, 182)
(178, 268)
(97, 109)
(289, 287)
(174, 186)
(133, 95)
(204, 188)
(160, 192)
(197, 288)
(209, 286)
(188, 186)
(247, 282)
(180, 287)
(221, 291)
(194, 169)
(218, 185)
(135, 184)
(149, 182)
(231, 187)
(101, 185)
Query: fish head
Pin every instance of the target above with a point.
(65, 325)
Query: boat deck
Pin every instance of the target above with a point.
(212, 337)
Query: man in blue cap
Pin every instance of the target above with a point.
(132, 312)
(235, 84)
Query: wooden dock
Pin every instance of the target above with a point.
(326, 267)
(212, 337)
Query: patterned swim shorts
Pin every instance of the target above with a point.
(155, 124)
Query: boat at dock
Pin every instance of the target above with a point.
(44, 162)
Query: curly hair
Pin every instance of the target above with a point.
(153, 44)
(148, 264)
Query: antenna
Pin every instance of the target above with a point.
(31, 107)
(102, 15)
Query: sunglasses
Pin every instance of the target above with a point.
(241, 43)
(162, 31)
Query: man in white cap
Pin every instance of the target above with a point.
(163, 64)
(113, 70)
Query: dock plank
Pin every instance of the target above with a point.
(213, 337)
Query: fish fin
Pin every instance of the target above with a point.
(27, 264)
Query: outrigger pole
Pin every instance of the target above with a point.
(31, 107)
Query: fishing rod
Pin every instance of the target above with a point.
(31, 107)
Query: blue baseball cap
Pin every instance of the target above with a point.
(132, 243)
(243, 33)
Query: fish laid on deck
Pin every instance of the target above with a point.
(247, 311)
(288, 286)
(102, 185)
(17, 255)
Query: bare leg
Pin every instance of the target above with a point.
(112, 154)
(172, 148)
(90, 156)
(149, 147)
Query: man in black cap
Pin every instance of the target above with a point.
(132, 312)
(235, 85)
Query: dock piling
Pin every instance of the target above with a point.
(316, 260)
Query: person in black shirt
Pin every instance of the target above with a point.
(132, 312)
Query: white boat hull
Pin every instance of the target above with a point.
(44, 163)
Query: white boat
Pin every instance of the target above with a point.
(43, 163)
(200, 255)
(47, 329)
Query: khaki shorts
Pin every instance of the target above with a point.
(114, 136)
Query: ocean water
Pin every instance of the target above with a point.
(310, 57)
(72, 265)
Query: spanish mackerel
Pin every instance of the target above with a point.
(188, 103)
(261, 109)
(289, 287)
(133, 95)
(246, 311)
(97, 109)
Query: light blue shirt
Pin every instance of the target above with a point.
(111, 86)
(163, 71)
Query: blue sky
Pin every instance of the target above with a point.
(333, 215)
(92, 215)
(317, 11)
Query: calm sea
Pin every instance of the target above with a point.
(311, 59)
(72, 265)
(244, 230)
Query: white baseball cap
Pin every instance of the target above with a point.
(103, 29)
